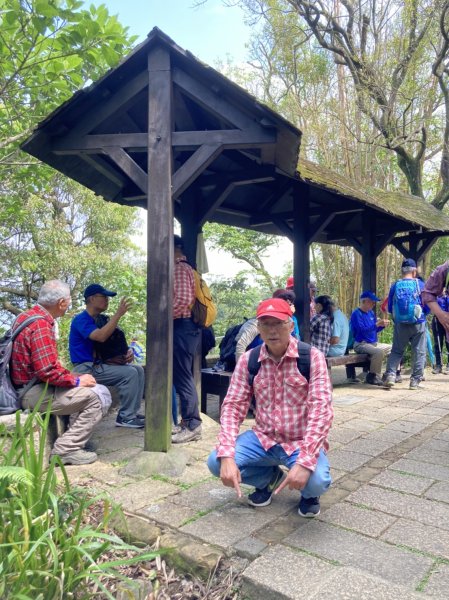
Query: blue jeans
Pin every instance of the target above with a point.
(186, 337)
(257, 465)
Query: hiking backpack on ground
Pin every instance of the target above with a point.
(204, 310)
(227, 347)
(303, 361)
(407, 306)
(9, 397)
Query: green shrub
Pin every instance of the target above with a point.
(48, 548)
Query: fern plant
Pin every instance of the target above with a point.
(48, 549)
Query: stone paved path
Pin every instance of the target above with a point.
(383, 531)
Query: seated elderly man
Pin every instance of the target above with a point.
(365, 327)
(294, 413)
(129, 379)
(35, 368)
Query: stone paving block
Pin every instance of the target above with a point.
(443, 435)
(387, 415)
(344, 436)
(362, 520)
(433, 410)
(137, 495)
(362, 425)
(275, 531)
(421, 468)
(436, 444)
(365, 474)
(410, 403)
(110, 443)
(354, 550)
(347, 400)
(425, 538)
(196, 472)
(369, 446)
(421, 418)
(426, 455)
(389, 435)
(439, 491)
(206, 496)
(410, 507)
(406, 426)
(282, 574)
(235, 521)
(412, 484)
(337, 474)
(120, 457)
(347, 461)
(168, 513)
(438, 584)
(250, 547)
(351, 584)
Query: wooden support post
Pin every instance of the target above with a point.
(301, 261)
(369, 274)
(160, 256)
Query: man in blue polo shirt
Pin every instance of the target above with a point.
(365, 327)
(127, 378)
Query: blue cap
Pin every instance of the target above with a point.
(96, 288)
(409, 262)
(370, 295)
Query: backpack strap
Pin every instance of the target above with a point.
(302, 362)
(15, 331)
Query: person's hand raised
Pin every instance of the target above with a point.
(124, 306)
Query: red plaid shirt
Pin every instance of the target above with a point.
(289, 411)
(184, 289)
(35, 354)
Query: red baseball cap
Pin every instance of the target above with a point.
(290, 282)
(274, 307)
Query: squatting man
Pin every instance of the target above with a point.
(293, 418)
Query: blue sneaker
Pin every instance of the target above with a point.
(131, 423)
(309, 507)
(262, 497)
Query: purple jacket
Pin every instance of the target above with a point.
(435, 284)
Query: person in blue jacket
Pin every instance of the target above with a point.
(365, 326)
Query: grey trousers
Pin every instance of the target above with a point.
(415, 334)
(376, 352)
(128, 379)
(81, 403)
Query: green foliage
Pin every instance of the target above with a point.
(48, 547)
(236, 300)
(48, 50)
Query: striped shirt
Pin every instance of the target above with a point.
(289, 410)
(184, 289)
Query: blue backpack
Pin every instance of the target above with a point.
(407, 307)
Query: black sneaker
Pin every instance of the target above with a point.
(309, 507)
(131, 423)
(262, 497)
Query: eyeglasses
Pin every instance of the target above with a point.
(276, 325)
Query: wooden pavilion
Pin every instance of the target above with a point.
(168, 133)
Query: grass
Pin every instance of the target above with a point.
(49, 547)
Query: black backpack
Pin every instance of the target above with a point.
(9, 396)
(227, 347)
(303, 361)
(115, 348)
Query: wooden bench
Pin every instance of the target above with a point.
(214, 382)
(217, 382)
(350, 361)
